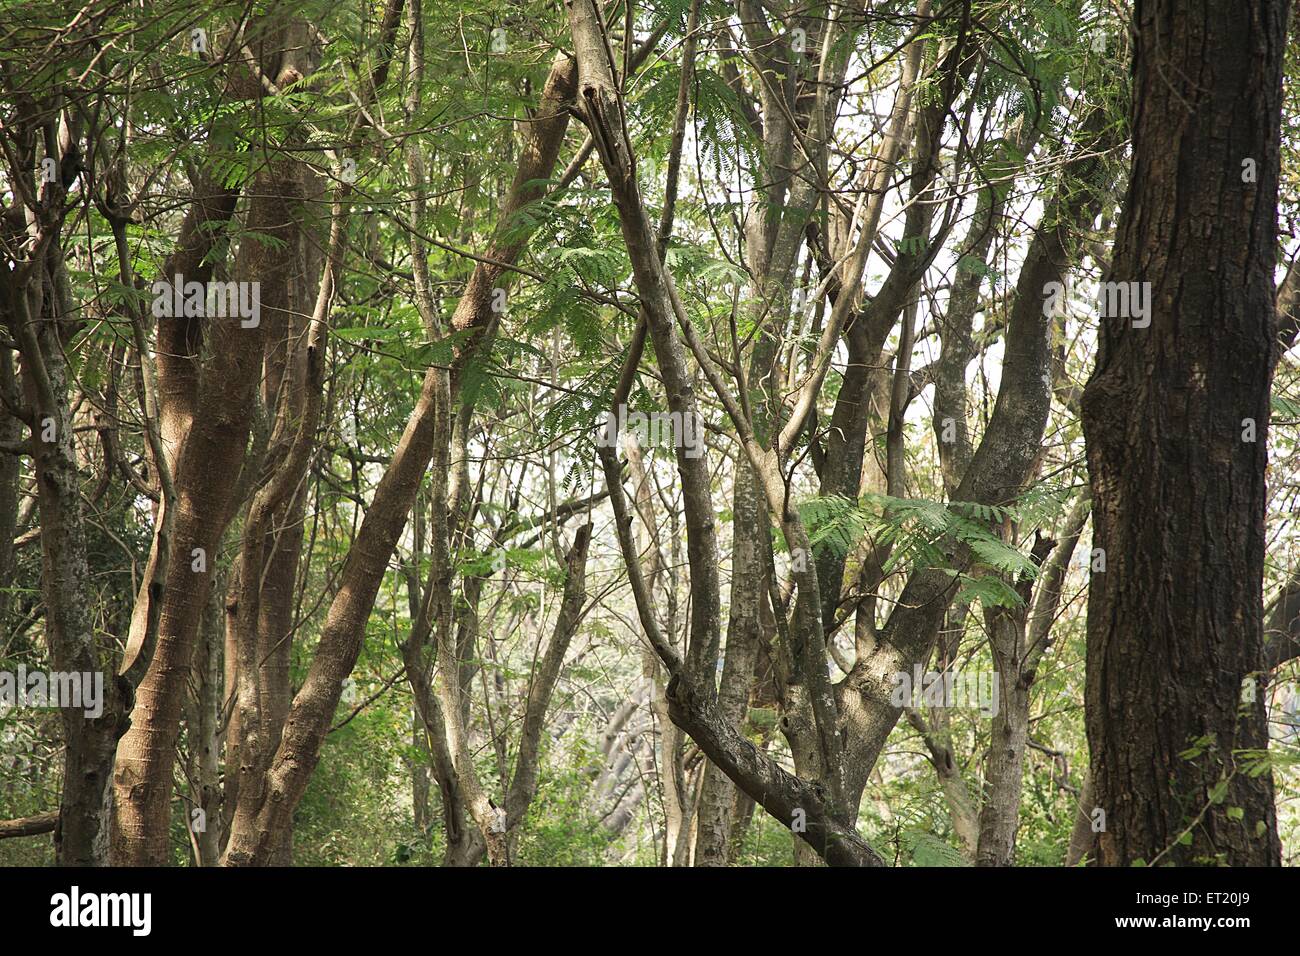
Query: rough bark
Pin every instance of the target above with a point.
(1175, 622)
(37, 311)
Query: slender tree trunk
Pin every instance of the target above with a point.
(1004, 765)
(38, 320)
(215, 443)
(1001, 464)
(962, 810)
(11, 433)
(204, 724)
(748, 596)
(428, 431)
(1083, 837)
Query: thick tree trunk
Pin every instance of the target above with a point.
(1176, 417)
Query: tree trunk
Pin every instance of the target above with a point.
(37, 320)
(1175, 416)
